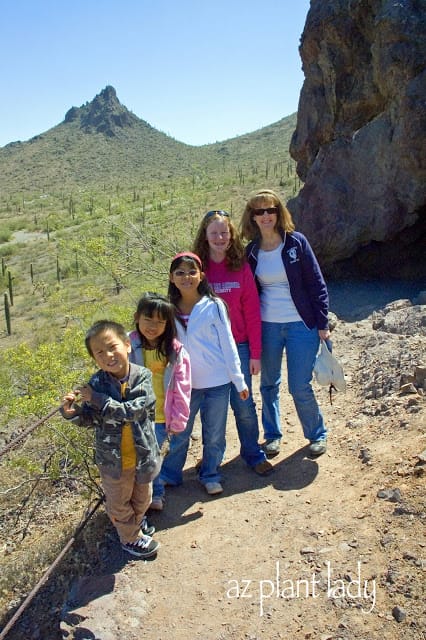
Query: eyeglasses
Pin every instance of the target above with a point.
(209, 214)
(180, 273)
(269, 210)
(151, 322)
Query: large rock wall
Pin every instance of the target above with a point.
(360, 137)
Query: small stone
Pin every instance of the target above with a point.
(393, 495)
(420, 374)
(399, 614)
(422, 456)
(407, 388)
(365, 455)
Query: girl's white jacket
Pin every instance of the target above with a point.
(212, 350)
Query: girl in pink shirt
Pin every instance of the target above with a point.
(222, 253)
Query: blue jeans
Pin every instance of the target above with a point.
(161, 435)
(301, 346)
(245, 414)
(213, 406)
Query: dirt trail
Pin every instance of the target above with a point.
(309, 552)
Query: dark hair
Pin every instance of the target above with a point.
(203, 288)
(235, 256)
(265, 198)
(154, 303)
(100, 327)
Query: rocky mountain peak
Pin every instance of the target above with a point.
(104, 114)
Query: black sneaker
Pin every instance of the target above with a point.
(143, 547)
(146, 528)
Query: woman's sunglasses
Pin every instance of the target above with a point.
(210, 214)
(269, 210)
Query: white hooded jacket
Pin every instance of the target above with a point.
(212, 350)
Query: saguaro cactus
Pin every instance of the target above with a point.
(7, 314)
(10, 288)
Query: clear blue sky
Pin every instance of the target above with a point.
(198, 70)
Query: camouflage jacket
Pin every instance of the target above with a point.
(108, 412)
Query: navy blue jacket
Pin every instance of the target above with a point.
(307, 285)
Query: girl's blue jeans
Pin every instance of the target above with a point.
(246, 415)
(212, 403)
(161, 435)
(301, 346)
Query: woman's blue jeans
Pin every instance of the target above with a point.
(212, 403)
(246, 415)
(301, 346)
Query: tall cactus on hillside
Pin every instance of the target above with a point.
(10, 288)
(7, 314)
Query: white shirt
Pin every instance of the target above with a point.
(276, 303)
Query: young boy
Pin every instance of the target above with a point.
(119, 403)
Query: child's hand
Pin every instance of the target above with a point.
(85, 393)
(68, 404)
(244, 394)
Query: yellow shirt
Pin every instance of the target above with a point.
(128, 452)
(156, 364)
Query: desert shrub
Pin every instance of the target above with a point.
(5, 235)
(8, 250)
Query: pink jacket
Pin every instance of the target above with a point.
(177, 382)
(239, 291)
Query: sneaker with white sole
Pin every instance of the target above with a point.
(143, 547)
(146, 528)
(272, 447)
(213, 488)
(318, 448)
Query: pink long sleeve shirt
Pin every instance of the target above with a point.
(238, 289)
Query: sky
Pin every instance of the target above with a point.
(201, 71)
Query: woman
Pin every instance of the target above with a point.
(294, 307)
(220, 248)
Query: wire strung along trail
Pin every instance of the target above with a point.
(49, 571)
(16, 442)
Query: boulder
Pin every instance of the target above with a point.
(360, 137)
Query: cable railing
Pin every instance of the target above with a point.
(14, 443)
(25, 604)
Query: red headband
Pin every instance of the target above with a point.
(189, 254)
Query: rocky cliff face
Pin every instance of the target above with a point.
(360, 137)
